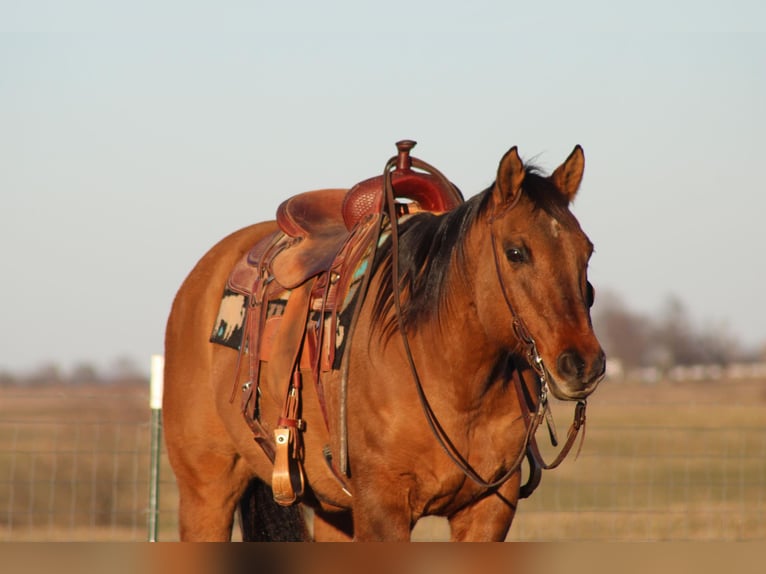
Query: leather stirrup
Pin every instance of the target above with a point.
(287, 479)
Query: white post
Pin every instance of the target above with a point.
(156, 382)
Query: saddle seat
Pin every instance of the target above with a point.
(313, 219)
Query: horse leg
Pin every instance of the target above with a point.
(211, 475)
(210, 485)
(333, 526)
(489, 518)
(381, 509)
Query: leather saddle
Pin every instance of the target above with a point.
(315, 225)
(316, 264)
(322, 221)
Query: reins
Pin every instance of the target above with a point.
(439, 433)
(530, 448)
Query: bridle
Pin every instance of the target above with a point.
(542, 410)
(535, 361)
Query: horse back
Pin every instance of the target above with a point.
(196, 303)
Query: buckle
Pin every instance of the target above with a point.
(579, 416)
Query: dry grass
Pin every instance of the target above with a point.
(671, 461)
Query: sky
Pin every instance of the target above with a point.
(134, 135)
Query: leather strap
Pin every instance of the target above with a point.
(578, 422)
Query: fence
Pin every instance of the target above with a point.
(665, 461)
(75, 464)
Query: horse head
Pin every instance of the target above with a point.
(540, 257)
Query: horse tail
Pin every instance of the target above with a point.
(263, 520)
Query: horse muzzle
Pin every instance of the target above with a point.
(576, 376)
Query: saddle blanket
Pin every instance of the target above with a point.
(231, 323)
(229, 327)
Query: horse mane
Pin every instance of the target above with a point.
(427, 244)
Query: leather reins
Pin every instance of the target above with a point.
(535, 360)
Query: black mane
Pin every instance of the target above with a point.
(427, 243)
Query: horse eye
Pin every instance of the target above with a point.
(590, 294)
(516, 254)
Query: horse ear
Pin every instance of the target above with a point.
(510, 176)
(568, 175)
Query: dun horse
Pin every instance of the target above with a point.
(380, 355)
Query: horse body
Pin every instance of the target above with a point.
(510, 260)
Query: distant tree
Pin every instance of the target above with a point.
(625, 335)
(83, 374)
(671, 338)
(675, 335)
(46, 374)
(7, 379)
(687, 344)
(719, 346)
(125, 371)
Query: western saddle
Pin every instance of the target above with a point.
(303, 286)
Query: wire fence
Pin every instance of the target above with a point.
(664, 461)
(88, 476)
(660, 462)
(691, 483)
(75, 465)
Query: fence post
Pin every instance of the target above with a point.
(156, 383)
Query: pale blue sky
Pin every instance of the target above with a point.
(134, 135)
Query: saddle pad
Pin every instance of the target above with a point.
(230, 323)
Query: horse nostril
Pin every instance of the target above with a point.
(599, 367)
(571, 365)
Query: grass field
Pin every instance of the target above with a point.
(667, 461)
(663, 462)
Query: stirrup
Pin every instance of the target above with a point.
(287, 479)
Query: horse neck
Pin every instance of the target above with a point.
(454, 344)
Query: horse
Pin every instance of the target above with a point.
(469, 317)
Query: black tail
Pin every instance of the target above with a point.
(263, 520)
